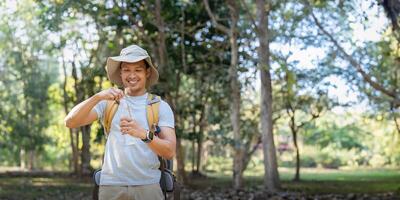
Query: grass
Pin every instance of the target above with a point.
(321, 181)
(313, 181)
(44, 188)
(346, 181)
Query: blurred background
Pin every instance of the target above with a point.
(272, 99)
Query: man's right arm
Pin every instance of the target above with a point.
(83, 113)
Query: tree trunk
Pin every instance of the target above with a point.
(161, 48)
(180, 156)
(74, 148)
(74, 159)
(232, 32)
(199, 150)
(180, 159)
(297, 175)
(234, 87)
(235, 98)
(162, 60)
(31, 159)
(205, 153)
(193, 138)
(79, 98)
(78, 151)
(294, 130)
(22, 158)
(85, 154)
(271, 175)
(193, 154)
(200, 139)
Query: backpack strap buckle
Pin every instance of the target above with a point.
(153, 100)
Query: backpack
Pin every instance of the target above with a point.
(168, 182)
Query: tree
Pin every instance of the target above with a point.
(390, 92)
(232, 32)
(302, 107)
(271, 175)
(378, 69)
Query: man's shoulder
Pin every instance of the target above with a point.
(164, 105)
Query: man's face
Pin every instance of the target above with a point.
(134, 75)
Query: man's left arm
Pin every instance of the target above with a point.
(165, 144)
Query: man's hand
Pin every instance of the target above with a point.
(83, 113)
(131, 127)
(110, 94)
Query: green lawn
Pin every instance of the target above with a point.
(45, 188)
(321, 180)
(345, 181)
(313, 181)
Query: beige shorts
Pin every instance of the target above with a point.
(140, 192)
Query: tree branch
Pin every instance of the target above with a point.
(276, 119)
(313, 117)
(214, 20)
(395, 119)
(250, 16)
(355, 64)
(251, 152)
(255, 147)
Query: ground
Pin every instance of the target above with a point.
(315, 184)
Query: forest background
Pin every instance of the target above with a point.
(276, 95)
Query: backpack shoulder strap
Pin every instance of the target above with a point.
(109, 112)
(152, 109)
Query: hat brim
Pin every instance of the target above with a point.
(114, 71)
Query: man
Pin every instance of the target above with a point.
(130, 166)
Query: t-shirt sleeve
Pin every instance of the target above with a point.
(166, 116)
(99, 109)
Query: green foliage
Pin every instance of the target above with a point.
(329, 160)
(38, 38)
(27, 77)
(308, 161)
(345, 137)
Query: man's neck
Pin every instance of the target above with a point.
(135, 93)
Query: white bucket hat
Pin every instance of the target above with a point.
(130, 54)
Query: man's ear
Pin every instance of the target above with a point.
(148, 73)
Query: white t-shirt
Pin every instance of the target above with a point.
(128, 160)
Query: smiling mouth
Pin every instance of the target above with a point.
(132, 82)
